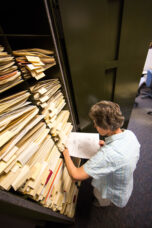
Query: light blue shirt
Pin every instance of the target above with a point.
(113, 165)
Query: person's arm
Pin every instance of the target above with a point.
(74, 172)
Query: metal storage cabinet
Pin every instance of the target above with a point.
(35, 30)
(106, 43)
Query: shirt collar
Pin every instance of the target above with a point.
(114, 137)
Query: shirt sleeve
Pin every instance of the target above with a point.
(99, 165)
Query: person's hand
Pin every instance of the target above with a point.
(101, 143)
(65, 151)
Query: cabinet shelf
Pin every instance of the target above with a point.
(17, 205)
(26, 35)
(34, 32)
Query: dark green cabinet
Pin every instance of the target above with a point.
(106, 44)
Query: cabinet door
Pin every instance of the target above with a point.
(136, 34)
(106, 44)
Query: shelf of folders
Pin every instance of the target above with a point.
(34, 61)
(30, 159)
(9, 73)
(49, 97)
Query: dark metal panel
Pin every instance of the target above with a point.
(16, 205)
(106, 43)
(136, 35)
(91, 31)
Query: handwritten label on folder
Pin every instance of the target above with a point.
(83, 145)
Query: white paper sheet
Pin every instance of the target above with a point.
(83, 145)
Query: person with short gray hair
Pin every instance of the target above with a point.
(112, 167)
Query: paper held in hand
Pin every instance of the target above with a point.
(83, 145)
